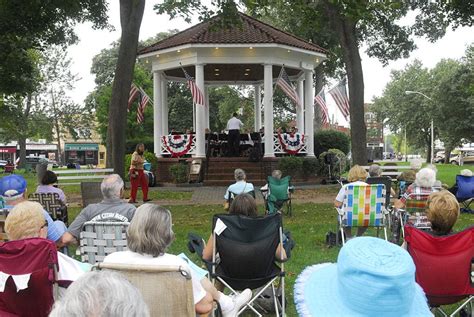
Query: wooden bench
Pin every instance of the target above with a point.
(79, 175)
(390, 170)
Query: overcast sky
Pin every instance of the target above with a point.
(376, 76)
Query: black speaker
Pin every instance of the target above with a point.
(330, 159)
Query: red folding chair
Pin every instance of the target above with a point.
(34, 256)
(443, 266)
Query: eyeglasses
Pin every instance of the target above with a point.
(45, 224)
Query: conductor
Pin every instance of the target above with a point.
(233, 126)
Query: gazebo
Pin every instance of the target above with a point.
(252, 53)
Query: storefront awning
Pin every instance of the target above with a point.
(7, 149)
(81, 147)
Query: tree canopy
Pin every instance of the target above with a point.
(36, 25)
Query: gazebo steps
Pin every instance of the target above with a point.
(220, 171)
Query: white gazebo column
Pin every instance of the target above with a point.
(268, 109)
(200, 115)
(257, 109)
(309, 111)
(157, 111)
(206, 98)
(300, 110)
(164, 107)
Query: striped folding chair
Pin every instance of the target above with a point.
(415, 212)
(363, 206)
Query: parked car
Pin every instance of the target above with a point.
(3, 163)
(439, 157)
(467, 158)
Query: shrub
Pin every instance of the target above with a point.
(179, 172)
(290, 165)
(310, 166)
(331, 139)
(337, 168)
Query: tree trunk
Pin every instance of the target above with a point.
(58, 140)
(346, 30)
(319, 83)
(22, 144)
(447, 153)
(131, 13)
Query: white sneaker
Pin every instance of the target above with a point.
(239, 302)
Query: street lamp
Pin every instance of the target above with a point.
(410, 92)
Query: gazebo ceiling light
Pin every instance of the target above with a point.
(216, 69)
(247, 69)
(179, 51)
(246, 74)
(216, 48)
(250, 48)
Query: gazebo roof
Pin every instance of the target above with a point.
(252, 31)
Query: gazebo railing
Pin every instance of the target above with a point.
(286, 143)
(185, 145)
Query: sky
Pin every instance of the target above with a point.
(376, 76)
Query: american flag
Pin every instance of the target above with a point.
(134, 92)
(320, 100)
(198, 96)
(284, 83)
(144, 99)
(339, 94)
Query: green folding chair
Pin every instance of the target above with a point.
(279, 194)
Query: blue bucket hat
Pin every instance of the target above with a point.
(12, 186)
(372, 277)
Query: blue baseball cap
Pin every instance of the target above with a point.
(372, 277)
(12, 186)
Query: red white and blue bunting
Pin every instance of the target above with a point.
(178, 145)
(291, 143)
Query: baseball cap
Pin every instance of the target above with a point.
(12, 186)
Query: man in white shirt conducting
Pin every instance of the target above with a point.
(233, 140)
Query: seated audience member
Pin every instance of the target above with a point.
(410, 175)
(240, 186)
(26, 220)
(112, 208)
(372, 277)
(376, 171)
(101, 294)
(423, 185)
(276, 174)
(149, 235)
(437, 183)
(245, 205)
(47, 186)
(356, 176)
(442, 211)
(13, 190)
(464, 172)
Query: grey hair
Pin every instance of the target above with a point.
(239, 174)
(425, 177)
(415, 164)
(375, 170)
(150, 230)
(111, 186)
(101, 294)
(466, 172)
(276, 174)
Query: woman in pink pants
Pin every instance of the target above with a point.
(137, 176)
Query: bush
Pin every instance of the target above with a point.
(149, 157)
(290, 165)
(179, 172)
(331, 139)
(310, 166)
(338, 168)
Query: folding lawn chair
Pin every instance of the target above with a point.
(29, 268)
(166, 289)
(52, 204)
(414, 212)
(246, 248)
(279, 194)
(443, 266)
(465, 192)
(363, 206)
(232, 195)
(99, 239)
